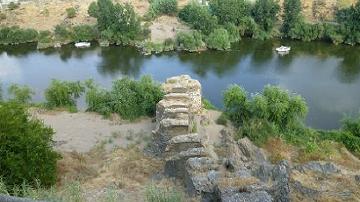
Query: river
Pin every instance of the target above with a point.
(325, 74)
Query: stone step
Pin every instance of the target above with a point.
(201, 164)
(177, 96)
(183, 142)
(169, 122)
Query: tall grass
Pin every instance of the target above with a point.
(157, 194)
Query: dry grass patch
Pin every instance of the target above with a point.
(279, 150)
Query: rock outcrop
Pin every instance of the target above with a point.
(238, 170)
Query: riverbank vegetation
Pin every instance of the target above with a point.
(277, 113)
(119, 24)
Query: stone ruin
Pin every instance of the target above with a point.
(189, 157)
(237, 171)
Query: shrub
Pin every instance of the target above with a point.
(21, 94)
(13, 5)
(352, 126)
(275, 105)
(62, 32)
(233, 31)
(84, 33)
(156, 194)
(306, 32)
(63, 93)
(230, 11)
(16, 35)
(128, 98)
(199, 17)
(45, 37)
(349, 20)
(218, 40)
(71, 12)
(265, 14)
(189, 41)
(93, 10)
(159, 7)
(25, 148)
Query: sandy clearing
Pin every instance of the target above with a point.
(83, 131)
(165, 27)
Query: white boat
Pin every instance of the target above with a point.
(283, 49)
(82, 44)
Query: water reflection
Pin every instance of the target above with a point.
(326, 75)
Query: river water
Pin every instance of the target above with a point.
(325, 74)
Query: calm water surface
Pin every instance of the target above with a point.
(326, 75)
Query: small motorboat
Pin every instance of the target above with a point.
(283, 49)
(82, 44)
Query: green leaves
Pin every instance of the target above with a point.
(128, 98)
(230, 11)
(218, 40)
(63, 93)
(167, 7)
(189, 41)
(25, 148)
(21, 94)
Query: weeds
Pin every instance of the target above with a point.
(157, 194)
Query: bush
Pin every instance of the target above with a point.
(84, 33)
(16, 35)
(128, 98)
(71, 12)
(233, 31)
(218, 40)
(275, 105)
(25, 148)
(349, 20)
(159, 7)
(45, 37)
(63, 93)
(306, 32)
(230, 11)
(189, 41)
(21, 94)
(62, 32)
(199, 17)
(93, 10)
(352, 126)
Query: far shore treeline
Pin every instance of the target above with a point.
(215, 25)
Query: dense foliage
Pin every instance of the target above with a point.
(25, 148)
(199, 17)
(20, 94)
(16, 35)
(291, 16)
(163, 7)
(84, 33)
(128, 98)
(119, 20)
(189, 41)
(265, 13)
(349, 20)
(230, 11)
(63, 93)
(219, 40)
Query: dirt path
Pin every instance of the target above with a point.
(82, 131)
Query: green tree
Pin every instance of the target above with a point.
(199, 17)
(167, 7)
(218, 40)
(189, 41)
(93, 9)
(121, 19)
(291, 16)
(230, 11)
(84, 33)
(265, 13)
(63, 93)
(349, 20)
(26, 148)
